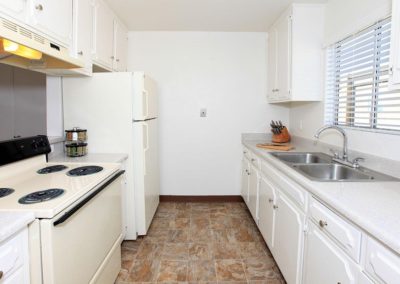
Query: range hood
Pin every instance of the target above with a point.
(23, 48)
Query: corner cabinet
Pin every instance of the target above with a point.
(295, 52)
(394, 72)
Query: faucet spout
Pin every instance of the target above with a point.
(341, 131)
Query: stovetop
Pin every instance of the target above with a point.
(24, 178)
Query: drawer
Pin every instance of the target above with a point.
(12, 253)
(346, 235)
(381, 263)
(293, 190)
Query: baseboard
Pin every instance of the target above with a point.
(201, 198)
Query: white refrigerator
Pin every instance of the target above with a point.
(120, 113)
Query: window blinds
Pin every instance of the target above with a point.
(358, 94)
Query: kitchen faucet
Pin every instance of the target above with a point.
(344, 160)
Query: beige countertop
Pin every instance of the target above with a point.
(373, 206)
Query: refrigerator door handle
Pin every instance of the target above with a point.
(145, 103)
(145, 148)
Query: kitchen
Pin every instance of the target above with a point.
(145, 141)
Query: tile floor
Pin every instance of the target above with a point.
(200, 243)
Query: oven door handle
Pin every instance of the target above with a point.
(71, 212)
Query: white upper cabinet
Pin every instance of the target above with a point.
(103, 36)
(53, 18)
(15, 9)
(295, 54)
(83, 33)
(394, 78)
(110, 48)
(120, 47)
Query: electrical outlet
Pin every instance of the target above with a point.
(203, 112)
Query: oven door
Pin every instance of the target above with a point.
(77, 241)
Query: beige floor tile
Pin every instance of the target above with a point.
(178, 236)
(200, 223)
(180, 223)
(261, 268)
(171, 271)
(252, 249)
(230, 270)
(144, 270)
(149, 250)
(200, 251)
(226, 236)
(175, 251)
(221, 223)
(200, 235)
(202, 270)
(226, 251)
(157, 235)
(160, 224)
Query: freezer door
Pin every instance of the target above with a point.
(145, 101)
(146, 172)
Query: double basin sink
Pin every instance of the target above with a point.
(320, 167)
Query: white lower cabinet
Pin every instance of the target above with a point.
(245, 179)
(266, 211)
(288, 240)
(333, 249)
(324, 262)
(253, 192)
(381, 264)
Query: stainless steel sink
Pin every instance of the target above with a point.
(302, 158)
(320, 167)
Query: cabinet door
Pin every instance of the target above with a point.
(325, 262)
(104, 35)
(83, 29)
(272, 64)
(15, 9)
(120, 47)
(253, 192)
(394, 78)
(245, 180)
(288, 239)
(284, 42)
(53, 18)
(266, 212)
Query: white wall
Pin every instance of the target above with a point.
(223, 72)
(311, 115)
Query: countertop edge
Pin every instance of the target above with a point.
(15, 222)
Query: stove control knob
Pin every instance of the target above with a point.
(42, 144)
(34, 145)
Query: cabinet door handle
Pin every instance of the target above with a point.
(117, 60)
(112, 57)
(80, 53)
(270, 200)
(323, 223)
(244, 152)
(39, 7)
(275, 206)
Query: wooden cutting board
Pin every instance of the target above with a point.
(275, 146)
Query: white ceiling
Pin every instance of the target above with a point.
(200, 15)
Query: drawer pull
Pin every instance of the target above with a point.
(39, 7)
(275, 206)
(253, 160)
(270, 200)
(323, 223)
(244, 152)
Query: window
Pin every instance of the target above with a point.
(358, 94)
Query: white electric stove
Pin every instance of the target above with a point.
(77, 232)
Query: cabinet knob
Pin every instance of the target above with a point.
(270, 200)
(244, 152)
(117, 60)
(80, 53)
(275, 206)
(323, 223)
(253, 160)
(39, 7)
(112, 57)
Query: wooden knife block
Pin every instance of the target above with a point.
(283, 137)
